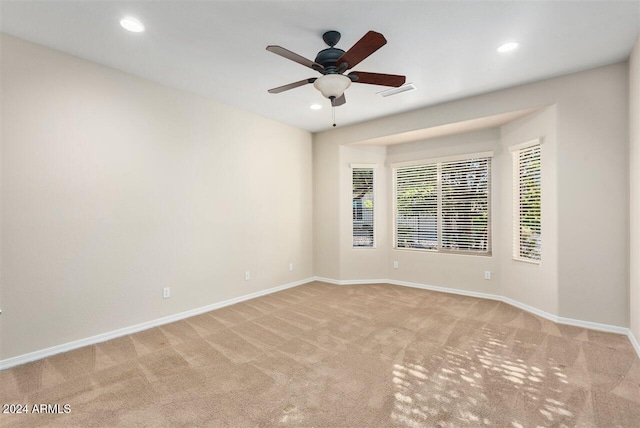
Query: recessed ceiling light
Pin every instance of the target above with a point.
(132, 24)
(507, 47)
(315, 106)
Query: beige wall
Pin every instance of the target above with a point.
(592, 150)
(634, 134)
(447, 270)
(533, 284)
(363, 263)
(326, 227)
(114, 187)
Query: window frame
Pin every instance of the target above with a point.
(515, 200)
(374, 186)
(438, 162)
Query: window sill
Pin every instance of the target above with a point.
(531, 262)
(450, 253)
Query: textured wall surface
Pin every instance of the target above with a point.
(634, 170)
(591, 186)
(114, 187)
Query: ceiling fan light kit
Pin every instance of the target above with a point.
(332, 63)
(332, 86)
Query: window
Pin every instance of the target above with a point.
(444, 205)
(363, 225)
(465, 205)
(527, 215)
(417, 207)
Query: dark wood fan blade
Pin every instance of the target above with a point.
(279, 50)
(379, 79)
(364, 47)
(291, 86)
(339, 101)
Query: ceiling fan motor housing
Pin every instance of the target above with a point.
(328, 57)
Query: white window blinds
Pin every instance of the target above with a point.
(363, 221)
(465, 205)
(527, 215)
(417, 207)
(444, 206)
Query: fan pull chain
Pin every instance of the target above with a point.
(333, 114)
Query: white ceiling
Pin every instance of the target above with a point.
(447, 49)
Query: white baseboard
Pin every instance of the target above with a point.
(551, 317)
(445, 289)
(594, 325)
(351, 281)
(32, 356)
(43, 353)
(634, 342)
(568, 321)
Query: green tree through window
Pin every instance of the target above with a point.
(444, 206)
(527, 232)
(363, 225)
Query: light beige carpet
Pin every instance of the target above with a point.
(320, 355)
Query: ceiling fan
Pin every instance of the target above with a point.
(333, 62)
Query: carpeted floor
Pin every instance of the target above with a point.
(321, 355)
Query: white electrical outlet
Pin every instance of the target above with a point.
(166, 292)
(395, 265)
(290, 266)
(487, 274)
(247, 276)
